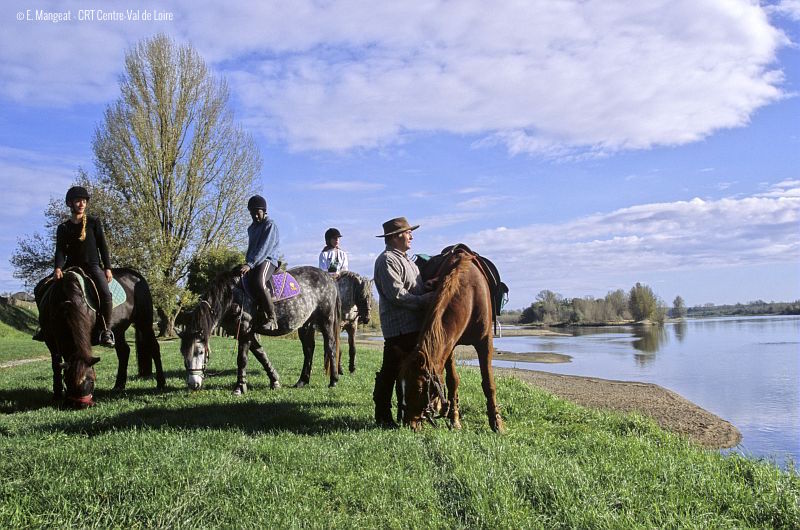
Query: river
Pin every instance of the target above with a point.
(745, 370)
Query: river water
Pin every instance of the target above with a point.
(743, 369)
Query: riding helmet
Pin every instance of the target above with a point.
(331, 233)
(76, 192)
(257, 202)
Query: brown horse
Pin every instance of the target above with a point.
(68, 323)
(461, 314)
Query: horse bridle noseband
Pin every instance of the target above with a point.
(433, 387)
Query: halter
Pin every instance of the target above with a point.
(82, 400)
(433, 387)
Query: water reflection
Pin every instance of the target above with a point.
(680, 330)
(649, 338)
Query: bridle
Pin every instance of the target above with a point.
(433, 387)
(201, 371)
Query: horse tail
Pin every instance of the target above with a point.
(143, 323)
(337, 330)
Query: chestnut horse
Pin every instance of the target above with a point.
(462, 313)
(68, 323)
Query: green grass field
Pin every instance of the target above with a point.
(311, 457)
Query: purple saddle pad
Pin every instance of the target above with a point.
(282, 284)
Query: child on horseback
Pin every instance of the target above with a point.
(81, 242)
(332, 258)
(262, 257)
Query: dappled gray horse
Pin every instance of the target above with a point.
(355, 292)
(226, 304)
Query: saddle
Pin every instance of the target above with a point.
(118, 295)
(497, 288)
(282, 286)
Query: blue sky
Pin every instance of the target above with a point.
(582, 146)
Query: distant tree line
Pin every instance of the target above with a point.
(640, 303)
(756, 307)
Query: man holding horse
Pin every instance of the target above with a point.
(402, 302)
(81, 242)
(262, 257)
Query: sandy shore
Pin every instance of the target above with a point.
(670, 410)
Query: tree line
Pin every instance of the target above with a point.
(173, 173)
(640, 303)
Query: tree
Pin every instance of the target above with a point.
(678, 307)
(643, 302)
(173, 159)
(206, 266)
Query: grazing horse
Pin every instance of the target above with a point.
(68, 321)
(355, 292)
(227, 304)
(461, 314)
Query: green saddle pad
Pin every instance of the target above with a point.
(118, 295)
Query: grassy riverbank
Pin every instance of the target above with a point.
(311, 457)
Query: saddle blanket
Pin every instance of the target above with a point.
(118, 295)
(282, 284)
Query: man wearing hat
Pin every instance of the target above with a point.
(402, 302)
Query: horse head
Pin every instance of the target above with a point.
(423, 397)
(194, 343)
(364, 299)
(67, 324)
(201, 321)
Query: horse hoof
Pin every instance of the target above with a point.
(332, 384)
(299, 384)
(119, 388)
(455, 425)
(352, 368)
(274, 385)
(239, 390)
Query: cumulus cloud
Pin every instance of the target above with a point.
(788, 8)
(683, 235)
(558, 79)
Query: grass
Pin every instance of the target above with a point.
(311, 458)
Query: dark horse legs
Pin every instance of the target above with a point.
(306, 334)
(250, 343)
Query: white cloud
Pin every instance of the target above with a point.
(678, 236)
(559, 79)
(344, 185)
(788, 8)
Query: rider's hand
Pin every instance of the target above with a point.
(57, 274)
(243, 270)
(109, 275)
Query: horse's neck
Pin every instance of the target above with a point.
(220, 303)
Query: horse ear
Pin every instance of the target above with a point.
(93, 361)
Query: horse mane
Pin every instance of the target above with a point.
(218, 297)
(433, 331)
(77, 321)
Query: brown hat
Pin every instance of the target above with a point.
(395, 226)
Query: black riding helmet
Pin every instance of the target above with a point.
(331, 233)
(76, 192)
(257, 202)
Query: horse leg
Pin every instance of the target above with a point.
(485, 351)
(306, 334)
(58, 378)
(123, 356)
(241, 365)
(261, 355)
(330, 333)
(147, 348)
(351, 344)
(452, 380)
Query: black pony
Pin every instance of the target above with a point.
(68, 322)
(226, 304)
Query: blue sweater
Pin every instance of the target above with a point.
(263, 243)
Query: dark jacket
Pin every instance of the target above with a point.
(71, 252)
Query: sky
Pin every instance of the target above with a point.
(582, 146)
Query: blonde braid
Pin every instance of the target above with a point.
(83, 228)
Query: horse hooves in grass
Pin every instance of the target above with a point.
(341, 372)
(497, 425)
(352, 368)
(274, 385)
(332, 384)
(300, 384)
(240, 389)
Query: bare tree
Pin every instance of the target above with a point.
(173, 159)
